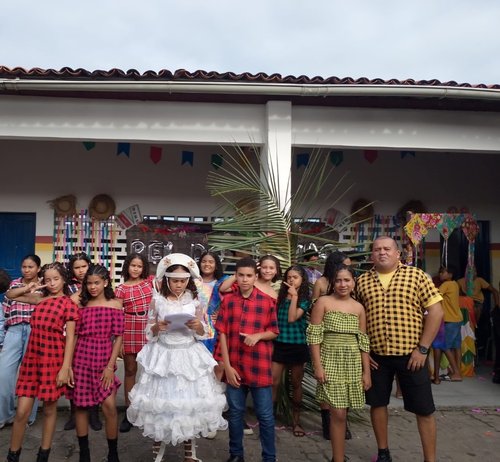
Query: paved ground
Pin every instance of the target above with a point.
(468, 420)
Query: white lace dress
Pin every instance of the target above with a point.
(176, 396)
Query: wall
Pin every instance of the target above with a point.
(37, 171)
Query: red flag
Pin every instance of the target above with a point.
(155, 154)
(370, 155)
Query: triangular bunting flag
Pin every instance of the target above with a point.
(187, 158)
(302, 160)
(336, 157)
(216, 161)
(371, 155)
(123, 148)
(155, 154)
(89, 145)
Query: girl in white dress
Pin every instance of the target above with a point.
(176, 397)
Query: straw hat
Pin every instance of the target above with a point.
(361, 210)
(101, 207)
(64, 205)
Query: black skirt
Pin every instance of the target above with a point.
(290, 353)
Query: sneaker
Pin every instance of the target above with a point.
(6, 424)
(125, 425)
(247, 430)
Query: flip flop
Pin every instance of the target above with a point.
(298, 431)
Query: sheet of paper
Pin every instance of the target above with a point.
(178, 320)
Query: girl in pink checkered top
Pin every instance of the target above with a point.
(99, 340)
(136, 293)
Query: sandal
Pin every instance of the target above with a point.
(298, 431)
(190, 452)
(158, 451)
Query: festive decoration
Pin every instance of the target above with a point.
(101, 207)
(89, 145)
(216, 161)
(302, 160)
(419, 224)
(336, 157)
(370, 155)
(446, 226)
(155, 154)
(416, 229)
(129, 217)
(123, 148)
(64, 205)
(407, 153)
(187, 158)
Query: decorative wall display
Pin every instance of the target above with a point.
(187, 158)
(89, 145)
(64, 205)
(302, 160)
(336, 157)
(102, 207)
(102, 240)
(370, 155)
(129, 217)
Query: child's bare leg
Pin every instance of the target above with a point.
(277, 371)
(111, 416)
(49, 423)
(437, 360)
(338, 422)
(297, 375)
(24, 407)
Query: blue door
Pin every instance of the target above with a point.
(17, 239)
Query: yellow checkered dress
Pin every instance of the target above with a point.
(340, 351)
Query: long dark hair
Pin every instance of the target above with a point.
(35, 259)
(165, 290)
(218, 265)
(332, 262)
(303, 291)
(126, 265)
(331, 282)
(62, 270)
(103, 273)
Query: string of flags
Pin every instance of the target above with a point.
(337, 157)
(216, 160)
(156, 154)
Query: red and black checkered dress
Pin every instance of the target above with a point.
(45, 352)
(96, 328)
(136, 300)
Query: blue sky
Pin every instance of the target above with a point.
(430, 39)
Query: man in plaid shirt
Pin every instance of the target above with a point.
(396, 297)
(247, 325)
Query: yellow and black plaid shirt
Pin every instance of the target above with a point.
(394, 316)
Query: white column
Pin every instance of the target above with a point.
(276, 153)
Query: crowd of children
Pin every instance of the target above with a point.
(204, 341)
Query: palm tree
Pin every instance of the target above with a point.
(259, 222)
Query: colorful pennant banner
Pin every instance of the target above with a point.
(123, 148)
(216, 161)
(89, 145)
(155, 154)
(336, 157)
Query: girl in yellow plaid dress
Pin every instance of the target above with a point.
(340, 353)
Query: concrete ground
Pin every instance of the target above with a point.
(468, 421)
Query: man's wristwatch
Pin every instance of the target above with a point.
(423, 350)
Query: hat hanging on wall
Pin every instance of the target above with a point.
(64, 205)
(413, 206)
(361, 210)
(101, 207)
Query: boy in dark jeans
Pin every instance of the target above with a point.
(247, 325)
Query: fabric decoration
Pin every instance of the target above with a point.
(187, 158)
(123, 148)
(336, 157)
(370, 155)
(407, 153)
(415, 229)
(302, 160)
(471, 229)
(155, 154)
(216, 161)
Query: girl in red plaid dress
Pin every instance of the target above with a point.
(136, 293)
(99, 330)
(46, 368)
